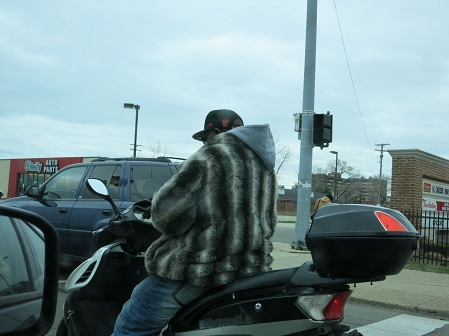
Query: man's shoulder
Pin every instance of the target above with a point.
(221, 151)
(200, 155)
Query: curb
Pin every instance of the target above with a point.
(291, 250)
(439, 313)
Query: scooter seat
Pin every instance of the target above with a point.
(262, 285)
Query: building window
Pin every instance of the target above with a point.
(282, 205)
(26, 180)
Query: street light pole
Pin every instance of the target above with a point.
(136, 107)
(335, 175)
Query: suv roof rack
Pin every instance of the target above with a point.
(170, 157)
(159, 159)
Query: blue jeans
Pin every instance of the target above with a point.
(152, 305)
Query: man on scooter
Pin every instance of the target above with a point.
(217, 217)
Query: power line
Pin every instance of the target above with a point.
(352, 80)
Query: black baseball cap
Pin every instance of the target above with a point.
(221, 119)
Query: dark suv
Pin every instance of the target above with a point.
(75, 212)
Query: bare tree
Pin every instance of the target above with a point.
(351, 190)
(319, 170)
(342, 168)
(343, 180)
(156, 149)
(283, 155)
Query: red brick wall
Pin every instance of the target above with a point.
(409, 169)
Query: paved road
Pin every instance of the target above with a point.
(285, 233)
(372, 320)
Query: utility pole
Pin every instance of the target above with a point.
(381, 150)
(305, 155)
(335, 176)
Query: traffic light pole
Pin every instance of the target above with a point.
(306, 149)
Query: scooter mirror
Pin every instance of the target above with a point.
(97, 187)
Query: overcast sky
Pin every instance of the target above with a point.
(67, 67)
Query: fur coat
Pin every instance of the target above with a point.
(218, 214)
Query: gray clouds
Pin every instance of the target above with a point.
(71, 65)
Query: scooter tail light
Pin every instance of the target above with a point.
(324, 307)
(389, 222)
(336, 307)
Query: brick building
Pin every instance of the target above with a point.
(287, 202)
(419, 180)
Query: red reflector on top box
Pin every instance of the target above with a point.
(389, 222)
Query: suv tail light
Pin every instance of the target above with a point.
(324, 307)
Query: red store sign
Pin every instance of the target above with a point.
(430, 204)
(442, 206)
(36, 166)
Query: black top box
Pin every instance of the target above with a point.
(360, 240)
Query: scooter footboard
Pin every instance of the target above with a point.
(87, 317)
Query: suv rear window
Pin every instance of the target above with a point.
(145, 180)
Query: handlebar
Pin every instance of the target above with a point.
(99, 230)
(122, 224)
(130, 223)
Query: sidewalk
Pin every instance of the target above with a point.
(410, 290)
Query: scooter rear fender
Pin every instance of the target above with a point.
(280, 287)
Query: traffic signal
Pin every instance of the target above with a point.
(322, 129)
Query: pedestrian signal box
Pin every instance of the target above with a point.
(322, 130)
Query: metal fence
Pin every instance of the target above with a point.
(433, 226)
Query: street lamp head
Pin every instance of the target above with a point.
(129, 106)
(334, 152)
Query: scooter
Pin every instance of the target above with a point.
(307, 300)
